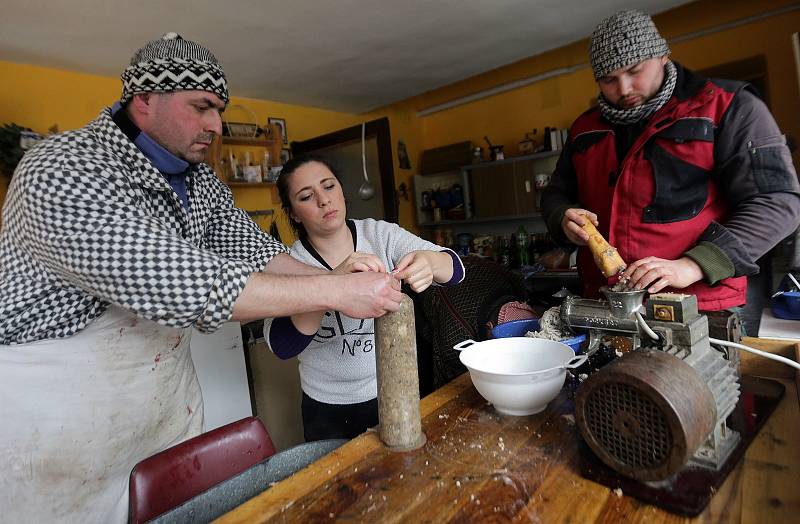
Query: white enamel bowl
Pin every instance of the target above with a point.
(518, 375)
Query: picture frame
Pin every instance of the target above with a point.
(286, 155)
(281, 123)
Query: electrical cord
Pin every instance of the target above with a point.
(642, 324)
(784, 360)
(364, 149)
(789, 362)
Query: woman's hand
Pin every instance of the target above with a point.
(658, 273)
(358, 262)
(416, 270)
(571, 224)
(420, 268)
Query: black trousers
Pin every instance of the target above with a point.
(323, 421)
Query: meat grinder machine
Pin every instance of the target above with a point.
(663, 407)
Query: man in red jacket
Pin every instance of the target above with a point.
(690, 178)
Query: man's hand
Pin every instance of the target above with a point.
(416, 268)
(572, 222)
(654, 274)
(366, 295)
(358, 262)
(309, 323)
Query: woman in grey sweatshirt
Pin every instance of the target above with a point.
(336, 352)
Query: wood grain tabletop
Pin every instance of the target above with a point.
(481, 466)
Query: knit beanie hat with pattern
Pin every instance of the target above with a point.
(626, 38)
(173, 64)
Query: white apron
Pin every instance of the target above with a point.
(77, 414)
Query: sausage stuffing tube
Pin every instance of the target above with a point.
(400, 427)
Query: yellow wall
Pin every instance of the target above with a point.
(557, 101)
(303, 123)
(40, 97)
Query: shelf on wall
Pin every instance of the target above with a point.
(247, 141)
(511, 160)
(214, 154)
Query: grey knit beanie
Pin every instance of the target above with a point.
(626, 38)
(173, 64)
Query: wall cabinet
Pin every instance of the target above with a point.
(493, 191)
(493, 187)
(508, 187)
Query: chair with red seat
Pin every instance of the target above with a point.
(175, 475)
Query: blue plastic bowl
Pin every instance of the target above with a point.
(786, 305)
(518, 328)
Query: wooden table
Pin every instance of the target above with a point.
(480, 466)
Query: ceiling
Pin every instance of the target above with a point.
(345, 55)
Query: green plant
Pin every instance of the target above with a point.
(10, 150)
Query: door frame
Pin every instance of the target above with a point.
(375, 128)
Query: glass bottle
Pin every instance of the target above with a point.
(513, 252)
(522, 246)
(504, 255)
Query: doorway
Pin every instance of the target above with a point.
(342, 149)
(752, 70)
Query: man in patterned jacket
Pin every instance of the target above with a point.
(116, 240)
(690, 178)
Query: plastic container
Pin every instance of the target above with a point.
(518, 375)
(787, 305)
(518, 328)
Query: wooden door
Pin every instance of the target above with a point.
(493, 191)
(525, 188)
(344, 147)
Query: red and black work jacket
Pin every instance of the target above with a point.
(659, 198)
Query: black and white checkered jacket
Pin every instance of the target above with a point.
(89, 221)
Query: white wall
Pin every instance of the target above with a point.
(220, 366)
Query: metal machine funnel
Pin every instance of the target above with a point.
(624, 304)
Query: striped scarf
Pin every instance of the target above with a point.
(619, 116)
